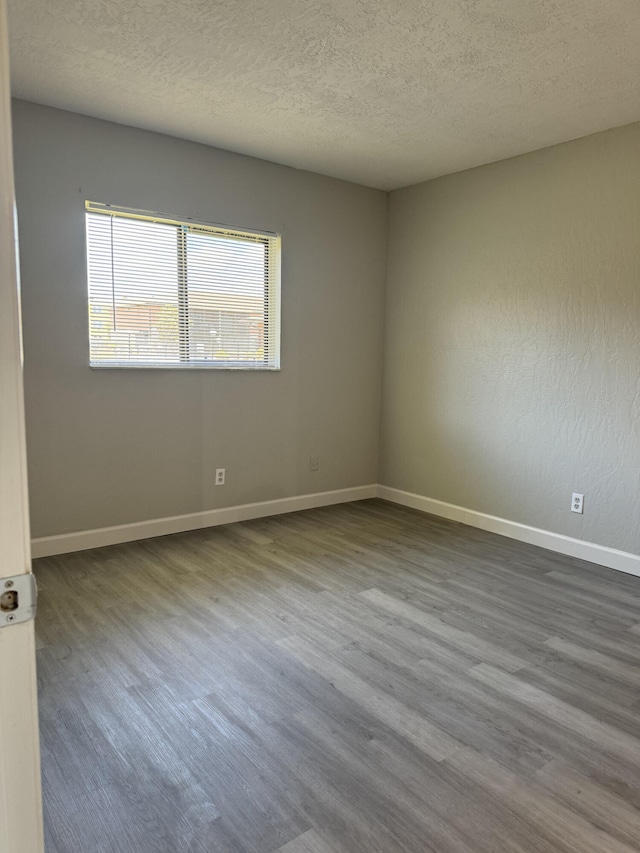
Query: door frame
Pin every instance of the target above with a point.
(20, 788)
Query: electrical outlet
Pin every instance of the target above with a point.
(314, 463)
(220, 474)
(577, 502)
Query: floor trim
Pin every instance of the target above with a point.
(622, 561)
(65, 543)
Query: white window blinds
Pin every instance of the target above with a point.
(165, 293)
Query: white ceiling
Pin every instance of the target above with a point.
(381, 92)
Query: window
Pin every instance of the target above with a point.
(165, 293)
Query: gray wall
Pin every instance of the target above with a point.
(113, 446)
(512, 336)
(512, 339)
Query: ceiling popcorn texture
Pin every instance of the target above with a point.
(380, 92)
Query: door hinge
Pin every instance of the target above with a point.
(18, 599)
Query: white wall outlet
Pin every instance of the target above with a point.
(220, 473)
(314, 463)
(577, 502)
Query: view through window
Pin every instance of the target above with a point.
(166, 293)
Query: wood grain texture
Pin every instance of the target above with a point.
(353, 679)
(309, 842)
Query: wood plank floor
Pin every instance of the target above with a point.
(354, 679)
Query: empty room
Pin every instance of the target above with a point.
(319, 426)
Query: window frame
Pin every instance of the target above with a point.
(188, 225)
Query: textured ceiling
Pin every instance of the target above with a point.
(382, 92)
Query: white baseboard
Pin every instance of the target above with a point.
(622, 561)
(65, 543)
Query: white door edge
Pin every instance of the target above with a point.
(20, 791)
